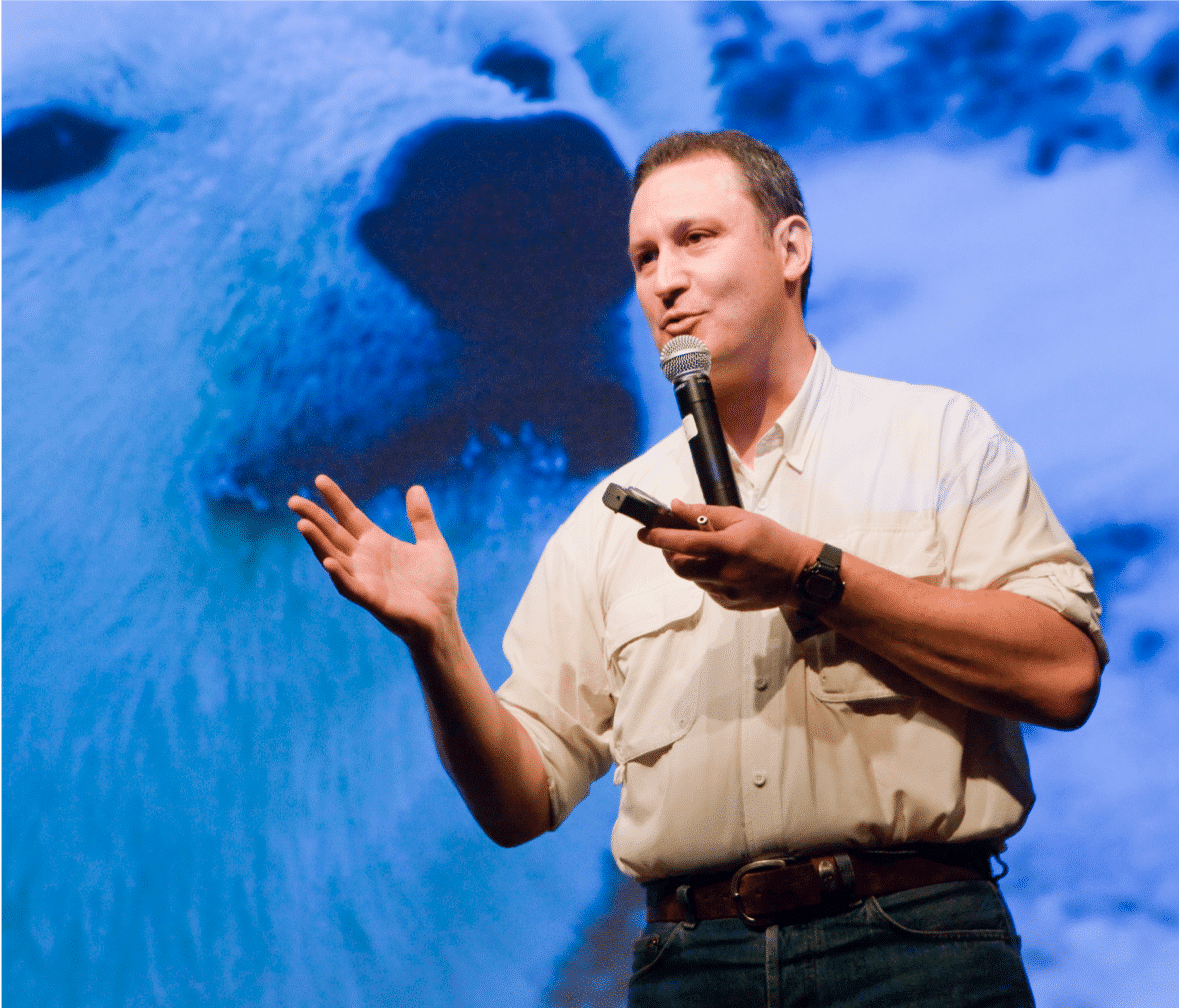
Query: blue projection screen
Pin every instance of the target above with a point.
(246, 243)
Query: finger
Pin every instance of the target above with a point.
(331, 529)
(718, 517)
(705, 573)
(347, 513)
(421, 514)
(698, 569)
(321, 545)
(734, 602)
(725, 589)
(343, 580)
(689, 543)
(726, 595)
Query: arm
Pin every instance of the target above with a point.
(992, 650)
(412, 589)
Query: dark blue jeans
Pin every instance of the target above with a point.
(942, 946)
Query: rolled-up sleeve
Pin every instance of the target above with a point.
(1008, 538)
(559, 689)
(1067, 587)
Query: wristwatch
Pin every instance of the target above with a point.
(820, 585)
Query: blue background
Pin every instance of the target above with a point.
(247, 242)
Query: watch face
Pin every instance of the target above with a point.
(822, 586)
(821, 583)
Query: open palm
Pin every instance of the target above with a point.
(409, 587)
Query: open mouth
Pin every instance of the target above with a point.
(512, 233)
(678, 324)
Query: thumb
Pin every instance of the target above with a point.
(421, 515)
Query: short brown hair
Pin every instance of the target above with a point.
(772, 185)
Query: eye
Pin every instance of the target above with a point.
(55, 145)
(642, 258)
(521, 67)
(695, 237)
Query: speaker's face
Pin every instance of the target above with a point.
(703, 264)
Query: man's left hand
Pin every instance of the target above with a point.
(988, 649)
(744, 560)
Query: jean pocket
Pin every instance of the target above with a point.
(950, 911)
(652, 945)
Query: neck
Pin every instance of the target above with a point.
(753, 391)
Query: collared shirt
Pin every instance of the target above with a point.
(731, 738)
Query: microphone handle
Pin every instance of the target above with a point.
(710, 454)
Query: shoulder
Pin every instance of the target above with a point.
(598, 543)
(916, 414)
(885, 395)
(660, 470)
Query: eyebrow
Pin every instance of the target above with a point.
(683, 227)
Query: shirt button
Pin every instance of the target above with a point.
(759, 779)
(762, 505)
(761, 682)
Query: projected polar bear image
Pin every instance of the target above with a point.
(245, 245)
(248, 243)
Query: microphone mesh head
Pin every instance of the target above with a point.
(682, 356)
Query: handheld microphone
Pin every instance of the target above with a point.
(685, 361)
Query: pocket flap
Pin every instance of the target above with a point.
(650, 611)
(844, 672)
(660, 732)
(657, 665)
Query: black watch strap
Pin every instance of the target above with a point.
(831, 556)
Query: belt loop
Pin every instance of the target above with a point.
(773, 974)
(683, 894)
(837, 878)
(847, 878)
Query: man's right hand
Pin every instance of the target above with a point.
(410, 587)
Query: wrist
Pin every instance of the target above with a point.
(819, 585)
(428, 631)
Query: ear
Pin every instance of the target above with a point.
(792, 241)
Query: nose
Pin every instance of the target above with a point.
(532, 333)
(671, 279)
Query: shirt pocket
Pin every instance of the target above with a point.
(654, 662)
(839, 670)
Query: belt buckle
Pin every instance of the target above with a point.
(764, 864)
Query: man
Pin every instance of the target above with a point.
(813, 704)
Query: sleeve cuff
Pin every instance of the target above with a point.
(569, 773)
(1067, 589)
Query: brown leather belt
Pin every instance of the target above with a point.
(778, 886)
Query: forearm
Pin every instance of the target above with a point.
(486, 751)
(994, 651)
(412, 589)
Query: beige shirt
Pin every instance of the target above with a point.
(731, 738)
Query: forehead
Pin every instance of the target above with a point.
(704, 185)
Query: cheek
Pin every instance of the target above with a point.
(652, 308)
(751, 293)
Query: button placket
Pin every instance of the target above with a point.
(760, 734)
